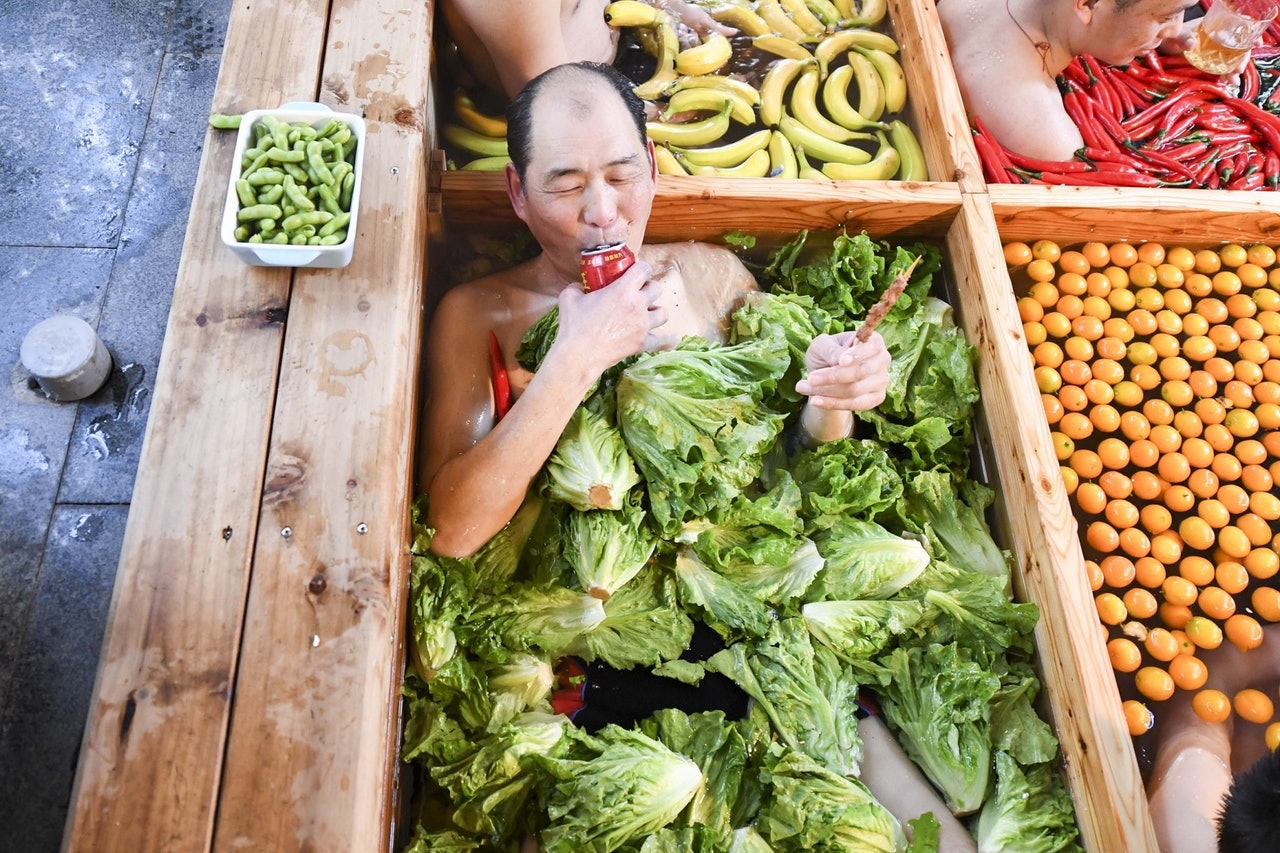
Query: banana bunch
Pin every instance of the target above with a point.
(826, 108)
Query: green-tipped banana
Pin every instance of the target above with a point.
(835, 44)
(707, 57)
(730, 154)
(781, 46)
(804, 169)
(890, 71)
(782, 157)
(665, 72)
(871, 96)
(631, 13)
(742, 19)
(914, 167)
(826, 12)
(467, 113)
(803, 18)
(773, 88)
(486, 164)
(710, 100)
(804, 106)
(776, 17)
(477, 143)
(667, 162)
(881, 167)
(691, 133)
(736, 87)
(819, 146)
(835, 97)
(871, 13)
(755, 166)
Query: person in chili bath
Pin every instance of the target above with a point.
(583, 174)
(505, 45)
(1006, 54)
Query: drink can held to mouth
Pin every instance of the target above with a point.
(603, 264)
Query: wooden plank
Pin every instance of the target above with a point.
(151, 758)
(313, 749)
(933, 95)
(705, 208)
(1101, 767)
(1077, 214)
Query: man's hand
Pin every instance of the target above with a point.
(615, 322)
(845, 375)
(694, 17)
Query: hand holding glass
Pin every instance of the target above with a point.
(1227, 32)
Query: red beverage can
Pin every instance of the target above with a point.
(601, 265)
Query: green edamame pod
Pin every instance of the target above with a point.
(339, 153)
(299, 174)
(317, 165)
(265, 176)
(313, 241)
(221, 121)
(311, 217)
(257, 164)
(328, 128)
(279, 132)
(258, 211)
(348, 187)
(296, 195)
(328, 200)
(244, 192)
(250, 154)
(343, 135)
(266, 226)
(298, 239)
(272, 194)
(338, 222)
(242, 233)
(281, 238)
(285, 155)
(334, 239)
(340, 172)
(255, 238)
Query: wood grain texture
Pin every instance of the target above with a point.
(933, 95)
(151, 758)
(1076, 214)
(705, 208)
(313, 748)
(1101, 766)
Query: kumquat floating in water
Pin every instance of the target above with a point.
(1159, 373)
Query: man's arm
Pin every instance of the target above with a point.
(477, 472)
(523, 39)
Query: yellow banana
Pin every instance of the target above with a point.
(782, 157)
(706, 57)
(477, 143)
(465, 109)
(826, 12)
(914, 167)
(871, 96)
(803, 18)
(871, 13)
(882, 167)
(846, 8)
(631, 13)
(835, 97)
(487, 164)
(730, 154)
(665, 72)
(667, 162)
(804, 106)
(819, 146)
(804, 169)
(706, 99)
(835, 44)
(781, 46)
(731, 86)
(690, 133)
(755, 166)
(891, 73)
(742, 19)
(772, 13)
(773, 88)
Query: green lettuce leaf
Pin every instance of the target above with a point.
(1031, 811)
(865, 561)
(852, 478)
(533, 617)
(590, 467)
(643, 625)
(860, 629)
(935, 506)
(606, 549)
(721, 754)
(726, 606)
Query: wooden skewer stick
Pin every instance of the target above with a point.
(886, 303)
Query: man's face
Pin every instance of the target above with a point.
(590, 179)
(1119, 36)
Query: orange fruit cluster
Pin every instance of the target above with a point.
(1159, 373)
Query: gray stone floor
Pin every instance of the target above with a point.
(102, 116)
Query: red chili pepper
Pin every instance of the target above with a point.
(1250, 82)
(1266, 123)
(995, 164)
(1034, 165)
(1170, 165)
(1074, 179)
(1271, 169)
(501, 381)
(1185, 151)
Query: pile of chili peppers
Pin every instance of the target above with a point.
(1160, 122)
